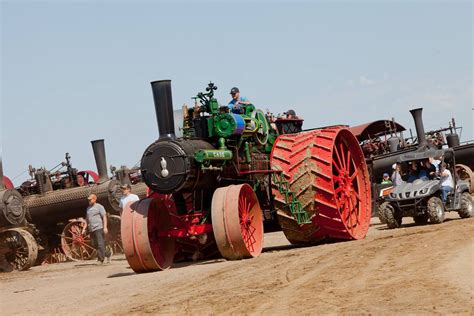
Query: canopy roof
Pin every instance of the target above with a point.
(375, 128)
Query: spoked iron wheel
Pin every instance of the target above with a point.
(465, 173)
(237, 222)
(326, 171)
(19, 249)
(74, 244)
(145, 249)
(113, 238)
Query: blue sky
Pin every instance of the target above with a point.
(77, 71)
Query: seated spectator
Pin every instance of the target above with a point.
(413, 172)
(386, 179)
(446, 181)
(430, 170)
(396, 176)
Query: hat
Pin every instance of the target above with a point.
(125, 186)
(234, 90)
(290, 112)
(385, 174)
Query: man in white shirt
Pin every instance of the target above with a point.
(127, 196)
(446, 181)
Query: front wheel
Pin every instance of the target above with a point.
(381, 213)
(435, 210)
(392, 216)
(237, 222)
(467, 209)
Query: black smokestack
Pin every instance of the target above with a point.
(2, 187)
(164, 108)
(420, 130)
(99, 155)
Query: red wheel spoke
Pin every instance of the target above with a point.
(354, 175)
(348, 161)
(339, 171)
(341, 147)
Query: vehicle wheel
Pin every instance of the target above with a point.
(381, 214)
(421, 219)
(392, 216)
(467, 209)
(435, 210)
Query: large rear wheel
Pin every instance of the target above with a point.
(237, 222)
(465, 173)
(145, 248)
(327, 173)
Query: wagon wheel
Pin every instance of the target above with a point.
(327, 173)
(237, 222)
(113, 238)
(19, 249)
(142, 228)
(465, 173)
(74, 244)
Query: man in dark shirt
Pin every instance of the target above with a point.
(96, 221)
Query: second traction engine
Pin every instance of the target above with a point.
(232, 170)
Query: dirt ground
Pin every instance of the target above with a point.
(415, 269)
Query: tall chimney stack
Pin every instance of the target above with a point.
(164, 108)
(99, 155)
(420, 130)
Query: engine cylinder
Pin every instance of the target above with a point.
(168, 165)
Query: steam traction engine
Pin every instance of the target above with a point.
(232, 170)
(59, 204)
(18, 248)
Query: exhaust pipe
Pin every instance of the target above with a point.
(420, 130)
(164, 108)
(2, 186)
(99, 155)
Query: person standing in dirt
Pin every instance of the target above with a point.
(127, 196)
(96, 221)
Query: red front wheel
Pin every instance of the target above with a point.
(237, 222)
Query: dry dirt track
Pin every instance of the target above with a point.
(415, 269)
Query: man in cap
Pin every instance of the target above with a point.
(96, 221)
(290, 114)
(237, 100)
(127, 196)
